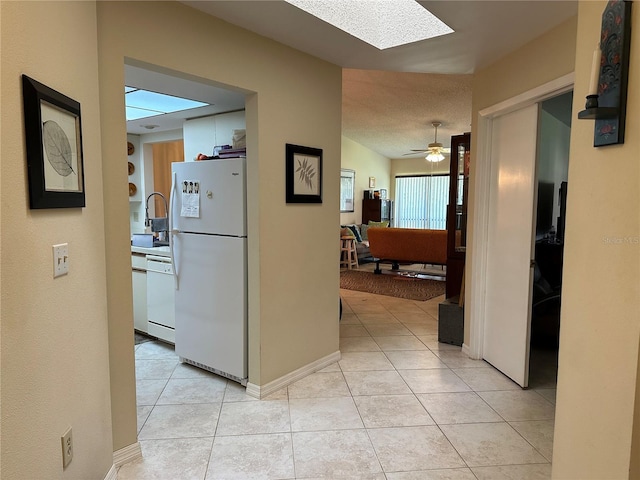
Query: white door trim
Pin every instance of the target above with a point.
(482, 168)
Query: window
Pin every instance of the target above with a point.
(421, 202)
(347, 181)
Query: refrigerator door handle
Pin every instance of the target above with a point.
(172, 232)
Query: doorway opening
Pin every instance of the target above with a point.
(157, 137)
(499, 297)
(552, 171)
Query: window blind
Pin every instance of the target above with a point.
(421, 202)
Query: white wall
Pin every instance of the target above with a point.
(366, 163)
(54, 346)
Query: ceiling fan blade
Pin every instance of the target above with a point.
(415, 152)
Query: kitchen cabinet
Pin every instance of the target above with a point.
(164, 154)
(202, 134)
(139, 284)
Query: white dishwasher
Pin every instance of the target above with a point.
(161, 298)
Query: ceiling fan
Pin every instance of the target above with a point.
(434, 150)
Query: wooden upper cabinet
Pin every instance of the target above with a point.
(163, 155)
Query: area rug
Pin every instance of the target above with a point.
(391, 285)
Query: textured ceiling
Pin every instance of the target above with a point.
(391, 113)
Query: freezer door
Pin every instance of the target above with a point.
(211, 301)
(218, 189)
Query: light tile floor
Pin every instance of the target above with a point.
(397, 406)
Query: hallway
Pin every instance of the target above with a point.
(398, 406)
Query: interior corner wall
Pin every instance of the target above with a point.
(55, 363)
(366, 163)
(520, 71)
(600, 325)
(293, 284)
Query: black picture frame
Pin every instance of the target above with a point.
(303, 167)
(53, 136)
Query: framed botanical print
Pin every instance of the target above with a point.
(53, 135)
(303, 174)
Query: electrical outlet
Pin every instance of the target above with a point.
(67, 448)
(60, 259)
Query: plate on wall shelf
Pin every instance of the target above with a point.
(132, 189)
(132, 168)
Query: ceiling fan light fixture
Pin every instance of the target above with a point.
(434, 157)
(435, 149)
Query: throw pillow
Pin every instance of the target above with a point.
(356, 232)
(363, 232)
(384, 223)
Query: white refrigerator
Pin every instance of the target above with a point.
(209, 248)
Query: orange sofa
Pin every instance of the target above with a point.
(407, 245)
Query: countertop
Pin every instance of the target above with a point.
(160, 251)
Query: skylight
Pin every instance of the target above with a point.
(381, 23)
(144, 104)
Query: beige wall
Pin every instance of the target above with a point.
(634, 470)
(600, 324)
(416, 166)
(516, 73)
(55, 362)
(293, 290)
(366, 163)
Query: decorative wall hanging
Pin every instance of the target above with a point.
(347, 190)
(607, 99)
(303, 174)
(53, 135)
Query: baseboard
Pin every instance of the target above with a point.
(112, 474)
(466, 350)
(127, 454)
(258, 391)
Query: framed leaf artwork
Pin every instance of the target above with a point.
(53, 135)
(303, 174)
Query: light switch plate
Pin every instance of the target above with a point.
(60, 259)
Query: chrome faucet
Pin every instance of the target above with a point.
(161, 224)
